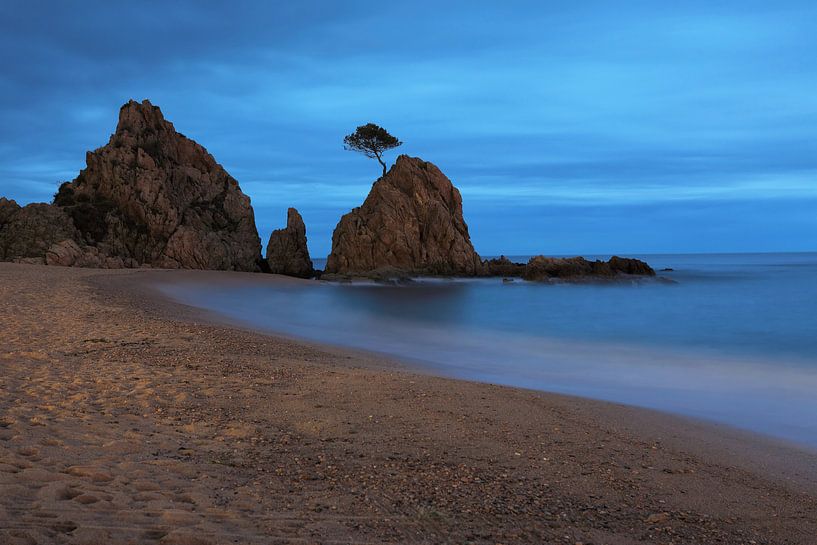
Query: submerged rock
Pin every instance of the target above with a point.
(287, 252)
(411, 223)
(153, 196)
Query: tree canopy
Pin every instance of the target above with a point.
(371, 140)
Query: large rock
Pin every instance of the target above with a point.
(45, 234)
(411, 223)
(287, 252)
(69, 253)
(152, 196)
(27, 233)
(8, 208)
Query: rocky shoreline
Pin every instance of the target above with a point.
(152, 197)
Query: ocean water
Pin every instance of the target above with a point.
(732, 338)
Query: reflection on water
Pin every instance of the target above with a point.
(734, 340)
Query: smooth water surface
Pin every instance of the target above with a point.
(733, 339)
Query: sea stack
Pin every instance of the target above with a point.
(152, 196)
(411, 224)
(287, 252)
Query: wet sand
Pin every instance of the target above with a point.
(127, 418)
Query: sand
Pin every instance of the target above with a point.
(126, 418)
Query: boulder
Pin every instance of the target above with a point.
(69, 253)
(287, 252)
(411, 222)
(27, 233)
(153, 196)
(502, 266)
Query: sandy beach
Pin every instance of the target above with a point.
(127, 418)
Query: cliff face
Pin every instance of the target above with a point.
(152, 196)
(287, 252)
(411, 222)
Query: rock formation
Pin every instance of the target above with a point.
(628, 265)
(502, 266)
(541, 268)
(287, 252)
(153, 196)
(411, 223)
(41, 233)
(8, 208)
(27, 233)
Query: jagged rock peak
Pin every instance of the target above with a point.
(152, 196)
(138, 116)
(411, 222)
(287, 252)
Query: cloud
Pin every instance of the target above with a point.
(596, 108)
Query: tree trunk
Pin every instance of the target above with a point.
(382, 164)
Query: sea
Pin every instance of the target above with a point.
(727, 338)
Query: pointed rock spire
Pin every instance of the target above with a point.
(287, 252)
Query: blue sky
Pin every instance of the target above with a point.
(591, 127)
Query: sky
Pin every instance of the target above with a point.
(569, 127)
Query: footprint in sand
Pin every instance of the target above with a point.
(176, 518)
(91, 473)
(17, 537)
(6, 431)
(28, 451)
(64, 526)
(57, 492)
(183, 538)
(8, 468)
(90, 536)
(86, 499)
